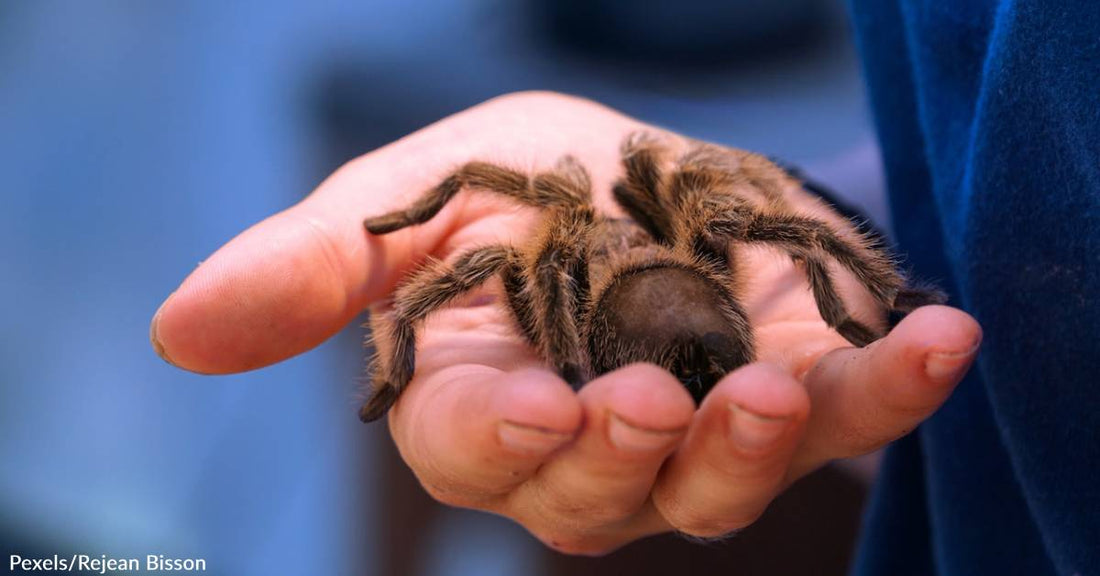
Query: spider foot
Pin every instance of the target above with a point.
(381, 400)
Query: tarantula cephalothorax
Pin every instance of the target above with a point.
(592, 293)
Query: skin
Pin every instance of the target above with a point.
(484, 425)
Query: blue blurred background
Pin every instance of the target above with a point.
(137, 137)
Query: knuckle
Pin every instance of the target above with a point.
(449, 491)
(585, 511)
(450, 497)
(574, 544)
(606, 513)
(524, 102)
(748, 471)
(351, 169)
(524, 97)
(703, 521)
(590, 514)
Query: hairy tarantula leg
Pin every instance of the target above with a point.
(710, 171)
(566, 186)
(519, 300)
(831, 307)
(697, 236)
(800, 238)
(427, 290)
(872, 267)
(911, 297)
(766, 177)
(829, 304)
(559, 275)
(639, 193)
(575, 175)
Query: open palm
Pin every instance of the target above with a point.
(485, 425)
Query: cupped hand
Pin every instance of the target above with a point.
(484, 424)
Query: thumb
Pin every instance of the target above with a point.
(288, 283)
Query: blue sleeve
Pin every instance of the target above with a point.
(988, 114)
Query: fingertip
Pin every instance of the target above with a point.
(154, 334)
(272, 292)
(537, 398)
(938, 329)
(763, 389)
(933, 346)
(645, 395)
(473, 433)
(736, 454)
(634, 417)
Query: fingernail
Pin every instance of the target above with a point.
(949, 366)
(530, 440)
(754, 432)
(154, 337)
(633, 438)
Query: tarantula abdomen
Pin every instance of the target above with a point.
(675, 317)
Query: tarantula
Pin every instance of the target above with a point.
(593, 293)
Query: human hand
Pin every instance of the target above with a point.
(484, 424)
